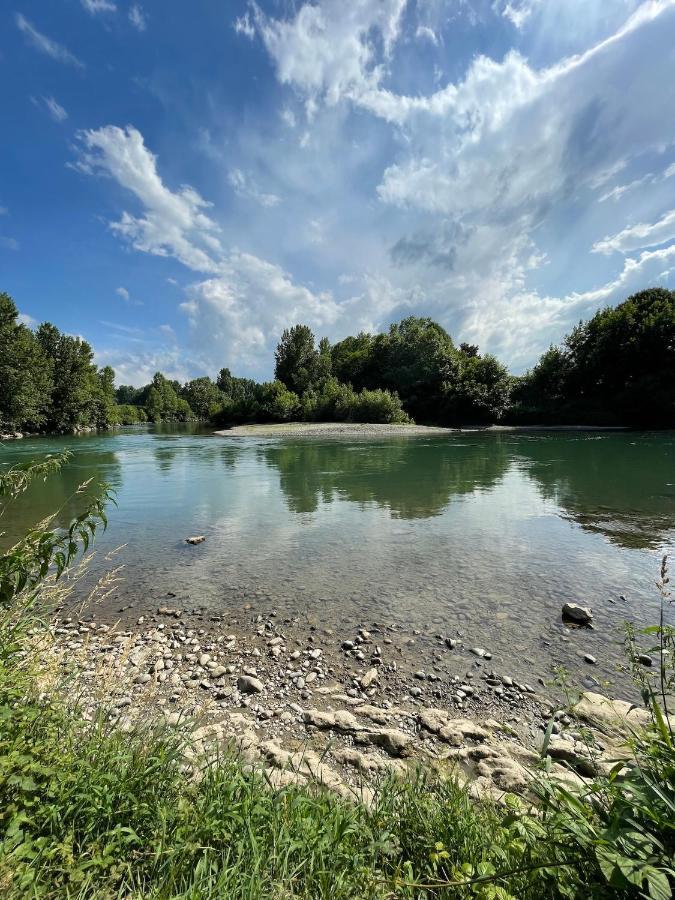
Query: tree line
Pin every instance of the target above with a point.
(618, 368)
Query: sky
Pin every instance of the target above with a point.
(180, 182)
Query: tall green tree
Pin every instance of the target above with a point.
(25, 372)
(297, 359)
(74, 384)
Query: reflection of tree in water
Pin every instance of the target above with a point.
(166, 454)
(58, 494)
(414, 479)
(620, 485)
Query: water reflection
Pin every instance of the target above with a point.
(618, 485)
(414, 479)
(58, 494)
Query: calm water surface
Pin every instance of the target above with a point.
(488, 533)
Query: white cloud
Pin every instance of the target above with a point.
(9, 243)
(244, 25)
(325, 49)
(137, 365)
(468, 189)
(28, 321)
(99, 6)
(138, 17)
(245, 303)
(126, 296)
(424, 33)
(171, 223)
(4, 211)
(638, 236)
(56, 111)
(245, 186)
(516, 11)
(45, 44)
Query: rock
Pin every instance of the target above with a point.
(451, 643)
(391, 740)
(645, 660)
(580, 615)
(589, 658)
(573, 754)
(248, 684)
(168, 611)
(478, 651)
(369, 678)
(609, 715)
(341, 721)
(196, 539)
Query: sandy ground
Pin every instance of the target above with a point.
(329, 428)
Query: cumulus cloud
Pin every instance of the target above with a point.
(45, 44)
(451, 203)
(171, 223)
(245, 302)
(325, 50)
(28, 321)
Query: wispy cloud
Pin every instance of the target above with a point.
(245, 186)
(55, 110)
(45, 44)
(138, 18)
(9, 243)
(99, 6)
(636, 237)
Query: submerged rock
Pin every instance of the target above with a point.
(196, 539)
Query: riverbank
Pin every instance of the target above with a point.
(357, 429)
(305, 706)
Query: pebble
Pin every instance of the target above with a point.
(589, 658)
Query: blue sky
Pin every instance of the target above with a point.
(180, 182)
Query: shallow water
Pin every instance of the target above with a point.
(485, 533)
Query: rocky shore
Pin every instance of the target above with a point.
(314, 706)
(330, 429)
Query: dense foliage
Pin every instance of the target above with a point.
(88, 809)
(618, 368)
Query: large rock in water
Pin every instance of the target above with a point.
(581, 615)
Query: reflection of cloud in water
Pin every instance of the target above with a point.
(413, 479)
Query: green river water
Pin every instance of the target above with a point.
(486, 533)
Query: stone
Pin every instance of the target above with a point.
(369, 678)
(580, 615)
(392, 741)
(645, 660)
(248, 684)
(196, 539)
(478, 651)
(589, 658)
(609, 715)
